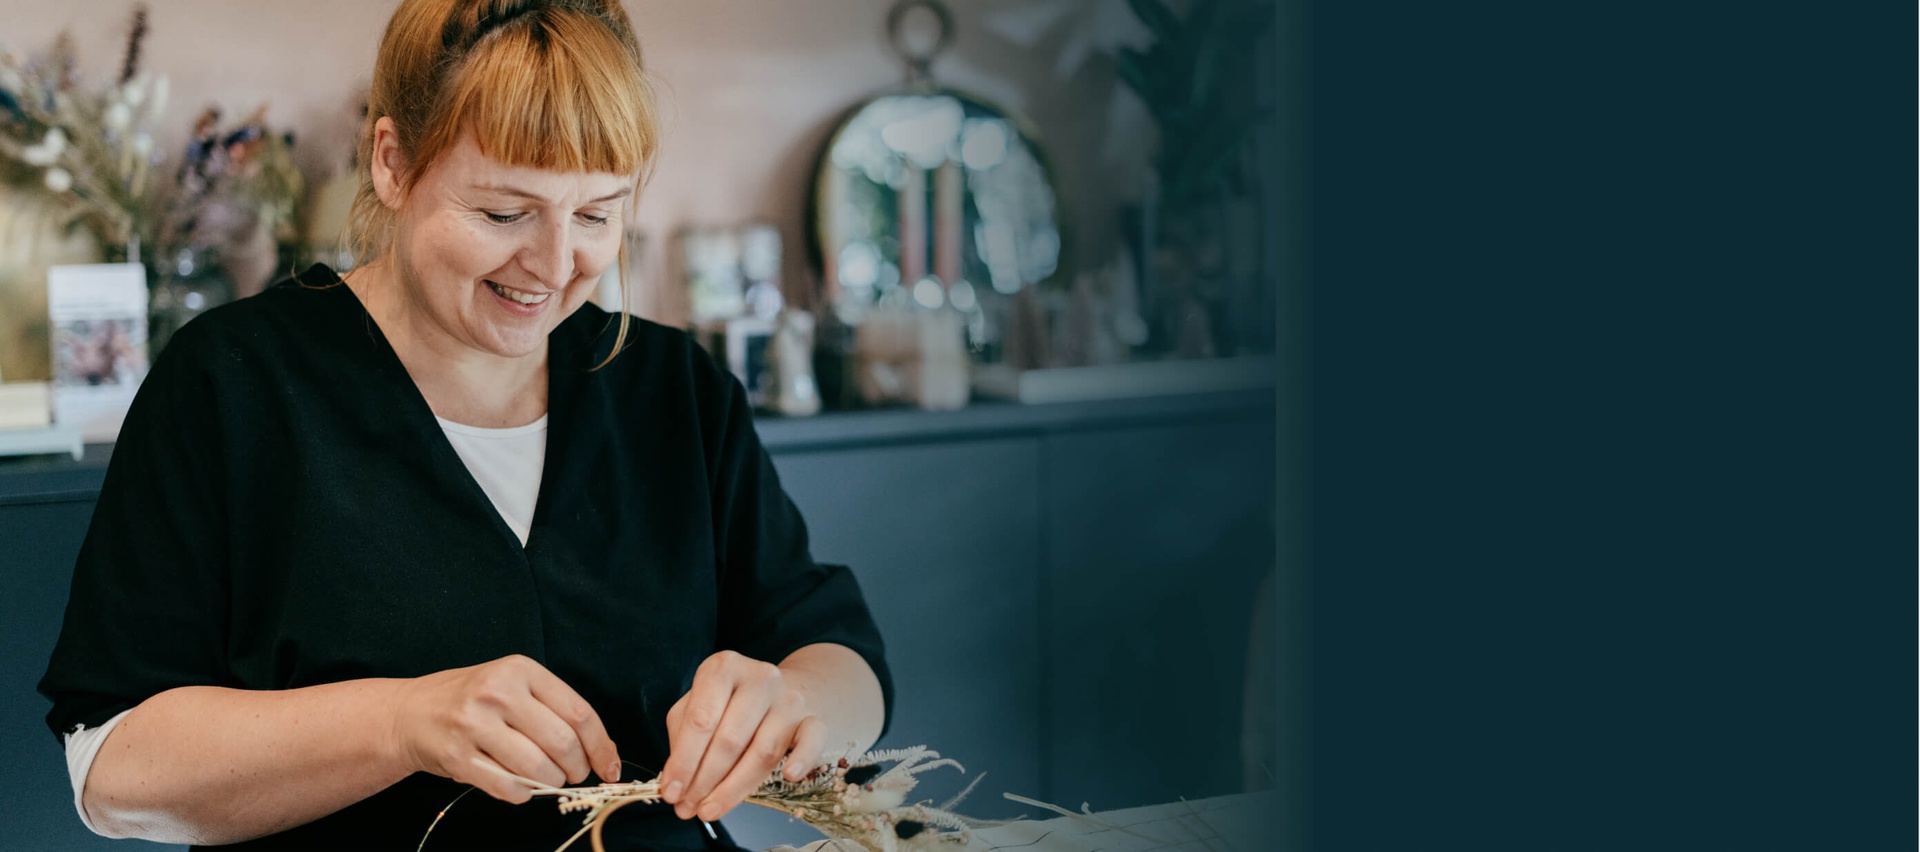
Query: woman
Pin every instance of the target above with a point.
(363, 544)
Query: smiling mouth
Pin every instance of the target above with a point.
(521, 296)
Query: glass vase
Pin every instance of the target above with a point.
(186, 284)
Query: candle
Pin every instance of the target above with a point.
(833, 233)
(913, 226)
(948, 208)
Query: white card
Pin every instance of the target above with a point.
(98, 318)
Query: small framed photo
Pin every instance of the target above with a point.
(98, 314)
(710, 261)
(741, 344)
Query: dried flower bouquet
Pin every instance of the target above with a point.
(90, 149)
(860, 799)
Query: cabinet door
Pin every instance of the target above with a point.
(1158, 539)
(945, 540)
(38, 545)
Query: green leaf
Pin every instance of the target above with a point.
(1205, 66)
(1212, 154)
(1155, 15)
(1184, 46)
(1132, 67)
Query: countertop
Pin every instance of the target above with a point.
(52, 479)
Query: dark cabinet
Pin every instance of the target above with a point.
(946, 541)
(1157, 540)
(38, 543)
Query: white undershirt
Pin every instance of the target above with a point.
(506, 462)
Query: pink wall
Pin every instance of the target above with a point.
(751, 90)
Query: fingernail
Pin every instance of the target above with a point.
(673, 792)
(613, 771)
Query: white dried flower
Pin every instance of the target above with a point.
(10, 79)
(118, 116)
(142, 144)
(135, 91)
(159, 103)
(876, 801)
(48, 151)
(59, 180)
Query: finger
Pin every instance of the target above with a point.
(728, 746)
(809, 741)
(673, 717)
(701, 710)
(543, 727)
(517, 754)
(770, 743)
(585, 745)
(484, 773)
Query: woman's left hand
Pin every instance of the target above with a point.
(730, 730)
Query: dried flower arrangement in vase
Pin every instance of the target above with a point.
(88, 149)
(212, 233)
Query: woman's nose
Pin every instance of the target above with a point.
(550, 256)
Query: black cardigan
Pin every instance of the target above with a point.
(282, 510)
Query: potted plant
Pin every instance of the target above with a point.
(1194, 222)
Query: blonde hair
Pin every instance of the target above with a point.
(547, 84)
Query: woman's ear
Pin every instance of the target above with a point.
(389, 162)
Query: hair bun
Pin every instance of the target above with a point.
(468, 22)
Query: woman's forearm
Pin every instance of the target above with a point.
(208, 765)
(840, 689)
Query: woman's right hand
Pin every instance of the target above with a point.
(509, 714)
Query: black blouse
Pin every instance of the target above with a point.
(282, 510)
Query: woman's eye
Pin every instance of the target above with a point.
(504, 218)
(591, 219)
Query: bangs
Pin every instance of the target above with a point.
(555, 92)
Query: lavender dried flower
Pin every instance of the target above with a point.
(130, 62)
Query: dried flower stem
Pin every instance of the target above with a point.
(130, 64)
(1085, 815)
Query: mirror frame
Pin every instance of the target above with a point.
(815, 224)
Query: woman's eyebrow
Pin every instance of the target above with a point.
(532, 196)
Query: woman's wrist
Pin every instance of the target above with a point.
(834, 682)
(389, 704)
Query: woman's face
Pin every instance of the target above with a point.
(494, 256)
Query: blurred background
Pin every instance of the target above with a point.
(999, 275)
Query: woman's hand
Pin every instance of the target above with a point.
(730, 730)
(510, 714)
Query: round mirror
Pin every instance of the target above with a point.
(938, 197)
